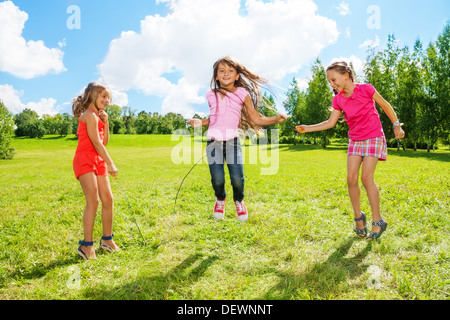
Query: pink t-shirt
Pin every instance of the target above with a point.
(360, 113)
(225, 114)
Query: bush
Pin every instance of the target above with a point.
(6, 133)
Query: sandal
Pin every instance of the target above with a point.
(105, 246)
(361, 232)
(81, 252)
(376, 235)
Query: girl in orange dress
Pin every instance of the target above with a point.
(92, 164)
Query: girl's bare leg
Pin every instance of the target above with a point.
(106, 196)
(367, 178)
(88, 183)
(353, 165)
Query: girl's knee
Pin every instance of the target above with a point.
(218, 182)
(367, 180)
(352, 180)
(92, 201)
(107, 200)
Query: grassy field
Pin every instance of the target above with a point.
(297, 244)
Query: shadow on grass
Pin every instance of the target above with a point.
(308, 147)
(39, 270)
(157, 287)
(434, 155)
(325, 280)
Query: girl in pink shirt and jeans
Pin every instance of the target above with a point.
(233, 101)
(367, 142)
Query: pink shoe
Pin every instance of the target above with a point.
(219, 209)
(241, 210)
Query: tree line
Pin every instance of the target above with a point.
(122, 120)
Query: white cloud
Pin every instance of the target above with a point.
(344, 8)
(371, 43)
(19, 57)
(12, 100)
(274, 39)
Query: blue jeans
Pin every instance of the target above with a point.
(219, 152)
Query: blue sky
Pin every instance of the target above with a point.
(157, 56)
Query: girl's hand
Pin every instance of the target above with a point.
(399, 133)
(195, 123)
(112, 170)
(280, 118)
(301, 129)
(103, 116)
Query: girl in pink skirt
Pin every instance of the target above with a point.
(367, 142)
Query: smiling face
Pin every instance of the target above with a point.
(338, 81)
(103, 100)
(226, 75)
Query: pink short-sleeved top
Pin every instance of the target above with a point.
(360, 113)
(225, 114)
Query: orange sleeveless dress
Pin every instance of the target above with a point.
(86, 157)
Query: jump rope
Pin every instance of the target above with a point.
(175, 203)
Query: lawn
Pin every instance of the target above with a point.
(297, 244)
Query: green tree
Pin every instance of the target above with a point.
(410, 95)
(441, 70)
(143, 123)
(381, 71)
(65, 126)
(6, 133)
(116, 124)
(295, 106)
(318, 102)
(430, 111)
(129, 117)
(29, 124)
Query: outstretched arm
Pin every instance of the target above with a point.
(328, 124)
(259, 119)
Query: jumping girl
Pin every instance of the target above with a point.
(233, 101)
(92, 164)
(367, 143)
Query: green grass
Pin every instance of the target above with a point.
(297, 244)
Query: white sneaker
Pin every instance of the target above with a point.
(241, 210)
(219, 209)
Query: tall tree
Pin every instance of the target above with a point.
(380, 71)
(430, 110)
(318, 101)
(410, 94)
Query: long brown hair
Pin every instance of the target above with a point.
(248, 80)
(81, 103)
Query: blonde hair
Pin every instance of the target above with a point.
(248, 80)
(342, 67)
(81, 103)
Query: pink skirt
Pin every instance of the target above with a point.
(375, 147)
